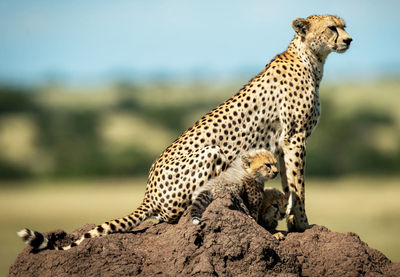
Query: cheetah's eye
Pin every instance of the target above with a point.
(268, 166)
(332, 28)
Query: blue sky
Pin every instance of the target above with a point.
(101, 40)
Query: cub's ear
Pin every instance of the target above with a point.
(245, 161)
(300, 25)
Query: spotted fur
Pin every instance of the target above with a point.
(276, 110)
(273, 208)
(245, 177)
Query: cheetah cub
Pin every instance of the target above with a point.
(273, 209)
(246, 177)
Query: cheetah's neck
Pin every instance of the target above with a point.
(308, 57)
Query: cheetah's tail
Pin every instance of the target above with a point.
(125, 224)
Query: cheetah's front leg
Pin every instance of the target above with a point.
(292, 176)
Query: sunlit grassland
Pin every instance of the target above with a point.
(366, 206)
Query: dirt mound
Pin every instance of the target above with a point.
(228, 242)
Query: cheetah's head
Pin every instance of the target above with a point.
(323, 33)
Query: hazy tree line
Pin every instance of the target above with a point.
(339, 146)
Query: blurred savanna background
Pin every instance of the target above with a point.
(92, 92)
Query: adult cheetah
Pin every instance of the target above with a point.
(276, 110)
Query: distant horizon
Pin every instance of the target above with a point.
(240, 76)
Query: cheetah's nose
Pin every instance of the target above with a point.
(347, 41)
(275, 173)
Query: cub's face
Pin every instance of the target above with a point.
(323, 33)
(260, 165)
(278, 203)
(273, 208)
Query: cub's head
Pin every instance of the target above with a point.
(323, 33)
(260, 165)
(273, 208)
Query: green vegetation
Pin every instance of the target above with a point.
(119, 130)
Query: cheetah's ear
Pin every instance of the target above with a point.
(245, 161)
(300, 25)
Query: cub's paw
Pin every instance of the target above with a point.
(195, 220)
(279, 236)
